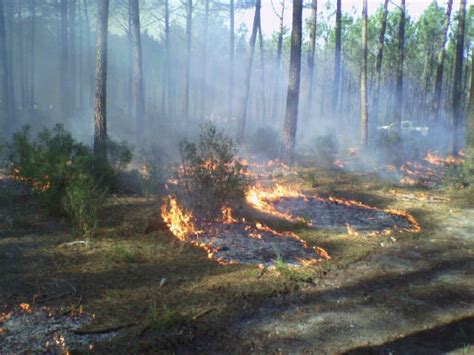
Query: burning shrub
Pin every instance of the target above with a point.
(64, 176)
(325, 149)
(212, 176)
(265, 141)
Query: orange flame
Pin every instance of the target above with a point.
(227, 215)
(179, 221)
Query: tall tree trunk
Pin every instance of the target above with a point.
(401, 58)
(9, 43)
(204, 91)
(379, 57)
(311, 53)
(438, 86)
(138, 100)
(32, 54)
(277, 76)
(337, 57)
(248, 73)
(81, 58)
(5, 97)
(89, 55)
(63, 60)
(189, 24)
(21, 54)
(291, 115)
(166, 98)
(457, 83)
(364, 117)
(262, 76)
(72, 56)
(100, 136)
(232, 59)
(470, 113)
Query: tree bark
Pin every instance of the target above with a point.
(401, 58)
(72, 57)
(277, 77)
(457, 81)
(232, 59)
(138, 100)
(63, 60)
(364, 117)
(100, 136)
(204, 91)
(379, 57)
(470, 112)
(248, 73)
(5, 98)
(291, 115)
(337, 57)
(189, 24)
(263, 100)
(311, 54)
(440, 63)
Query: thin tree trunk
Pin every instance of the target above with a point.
(5, 98)
(401, 58)
(100, 136)
(32, 54)
(138, 100)
(166, 99)
(248, 73)
(470, 113)
(291, 115)
(262, 75)
(364, 117)
(204, 91)
(80, 48)
(89, 55)
(440, 63)
(311, 53)
(189, 24)
(379, 57)
(63, 60)
(277, 77)
(72, 56)
(337, 57)
(9, 43)
(21, 53)
(232, 59)
(457, 88)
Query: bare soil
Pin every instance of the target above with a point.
(400, 293)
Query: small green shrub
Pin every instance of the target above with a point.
(83, 200)
(166, 318)
(290, 273)
(64, 176)
(211, 175)
(120, 254)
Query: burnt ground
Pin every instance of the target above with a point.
(399, 293)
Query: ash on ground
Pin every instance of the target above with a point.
(40, 331)
(327, 214)
(242, 243)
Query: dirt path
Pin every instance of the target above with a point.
(411, 296)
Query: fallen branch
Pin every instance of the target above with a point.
(104, 330)
(84, 242)
(203, 313)
(52, 298)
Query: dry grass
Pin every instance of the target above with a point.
(172, 291)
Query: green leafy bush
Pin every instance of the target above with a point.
(83, 200)
(211, 175)
(64, 176)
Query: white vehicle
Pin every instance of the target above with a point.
(407, 127)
